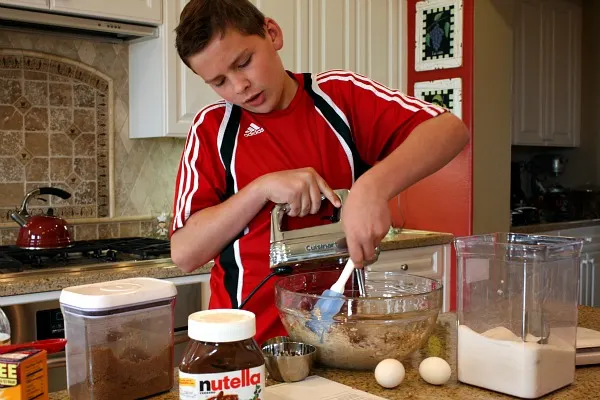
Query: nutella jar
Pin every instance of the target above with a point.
(222, 360)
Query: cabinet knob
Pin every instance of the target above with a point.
(404, 267)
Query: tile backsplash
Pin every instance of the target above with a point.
(64, 122)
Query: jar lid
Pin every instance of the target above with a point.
(117, 294)
(221, 325)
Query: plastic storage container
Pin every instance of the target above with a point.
(517, 312)
(119, 338)
(4, 329)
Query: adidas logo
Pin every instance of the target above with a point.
(253, 130)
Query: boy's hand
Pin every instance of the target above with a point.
(301, 189)
(367, 220)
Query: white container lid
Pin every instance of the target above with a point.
(117, 294)
(222, 325)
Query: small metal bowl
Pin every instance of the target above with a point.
(277, 339)
(289, 361)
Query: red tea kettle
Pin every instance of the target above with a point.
(40, 232)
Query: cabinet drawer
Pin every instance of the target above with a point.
(426, 261)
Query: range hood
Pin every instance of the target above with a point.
(28, 20)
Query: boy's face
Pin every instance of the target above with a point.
(245, 70)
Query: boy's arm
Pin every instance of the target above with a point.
(430, 146)
(209, 230)
(404, 138)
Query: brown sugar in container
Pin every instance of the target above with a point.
(222, 360)
(120, 338)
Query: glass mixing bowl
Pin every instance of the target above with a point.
(395, 318)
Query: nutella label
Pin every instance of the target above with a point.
(246, 384)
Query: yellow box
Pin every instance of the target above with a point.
(24, 375)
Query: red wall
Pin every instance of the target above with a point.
(443, 202)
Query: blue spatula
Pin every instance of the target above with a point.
(327, 307)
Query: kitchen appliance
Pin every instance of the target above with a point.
(322, 245)
(42, 319)
(42, 231)
(83, 254)
(293, 248)
(517, 312)
(547, 194)
(120, 336)
(51, 21)
(4, 329)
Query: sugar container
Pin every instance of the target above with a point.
(119, 338)
(517, 312)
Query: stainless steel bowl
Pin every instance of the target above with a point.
(289, 361)
(277, 339)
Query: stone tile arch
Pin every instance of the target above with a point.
(56, 129)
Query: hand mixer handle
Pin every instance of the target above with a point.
(281, 209)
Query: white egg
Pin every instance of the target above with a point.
(389, 373)
(435, 370)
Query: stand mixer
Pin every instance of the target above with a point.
(548, 194)
(545, 170)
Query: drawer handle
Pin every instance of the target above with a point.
(404, 267)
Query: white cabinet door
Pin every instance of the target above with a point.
(27, 3)
(149, 11)
(165, 94)
(366, 37)
(293, 18)
(563, 78)
(186, 92)
(547, 73)
(528, 101)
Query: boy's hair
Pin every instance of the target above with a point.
(202, 20)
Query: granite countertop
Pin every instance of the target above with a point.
(554, 226)
(443, 344)
(59, 279)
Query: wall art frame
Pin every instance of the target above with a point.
(445, 93)
(438, 34)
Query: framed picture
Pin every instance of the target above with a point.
(445, 93)
(438, 34)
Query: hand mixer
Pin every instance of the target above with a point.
(294, 249)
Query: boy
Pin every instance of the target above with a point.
(282, 137)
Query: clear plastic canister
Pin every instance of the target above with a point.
(119, 338)
(517, 312)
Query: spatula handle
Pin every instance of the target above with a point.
(340, 284)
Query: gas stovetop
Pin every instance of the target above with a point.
(82, 254)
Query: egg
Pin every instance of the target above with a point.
(389, 373)
(435, 370)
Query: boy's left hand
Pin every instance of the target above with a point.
(366, 218)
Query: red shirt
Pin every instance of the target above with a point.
(380, 119)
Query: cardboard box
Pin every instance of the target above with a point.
(24, 375)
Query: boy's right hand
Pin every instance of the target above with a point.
(301, 189)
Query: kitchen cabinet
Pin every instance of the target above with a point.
(165, 95)
(589, 280)
(45, 4)
(547, 73)
(429, 261)
(143, 11)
